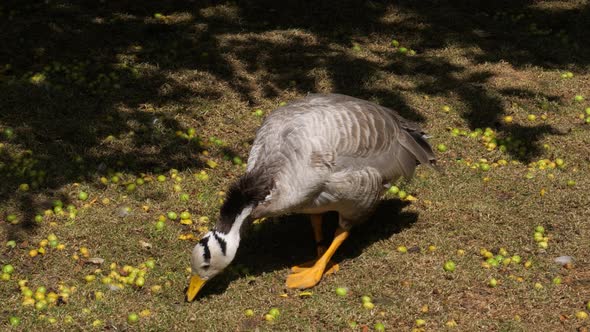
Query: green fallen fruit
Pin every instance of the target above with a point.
(11, 243)
(139, 282)
(393, 190)
(9, 132)
(368, 305)
(579, 98)
(150, 263)
(185, 215)
(571, 183)
(38, 218)
(184, 197)
(83, 196)
(274, 312)
(379, 327)
(14, 321)
(365, 299)
(441, 147)
(341, 291)
(131, 187)
(540, 229)
(249, 312)
(161, 178)
(8, 268)
(449, 266)
(493, 282)
(41, 305)
(160, 225)
(132, 318)
(516, 259)
(172, 215)
(556, 281)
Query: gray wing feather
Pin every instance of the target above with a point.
(303, 145)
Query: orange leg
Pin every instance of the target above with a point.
(310, 277)
(316, 223)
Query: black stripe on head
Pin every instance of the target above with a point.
(206, 252)
(221, 242)
(251, 188)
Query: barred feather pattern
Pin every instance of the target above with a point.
(331, 152)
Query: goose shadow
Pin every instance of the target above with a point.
(287, 241)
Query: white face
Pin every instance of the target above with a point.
(209, 256)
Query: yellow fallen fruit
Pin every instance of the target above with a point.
(28, 301)
(99, 296)
(451, 323)
(85, 252)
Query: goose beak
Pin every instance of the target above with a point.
(194, 287)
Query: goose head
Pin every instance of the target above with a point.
(214, 252)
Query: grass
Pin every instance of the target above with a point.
(91, 91)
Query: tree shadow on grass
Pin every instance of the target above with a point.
(83, 72)
(289, 241)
